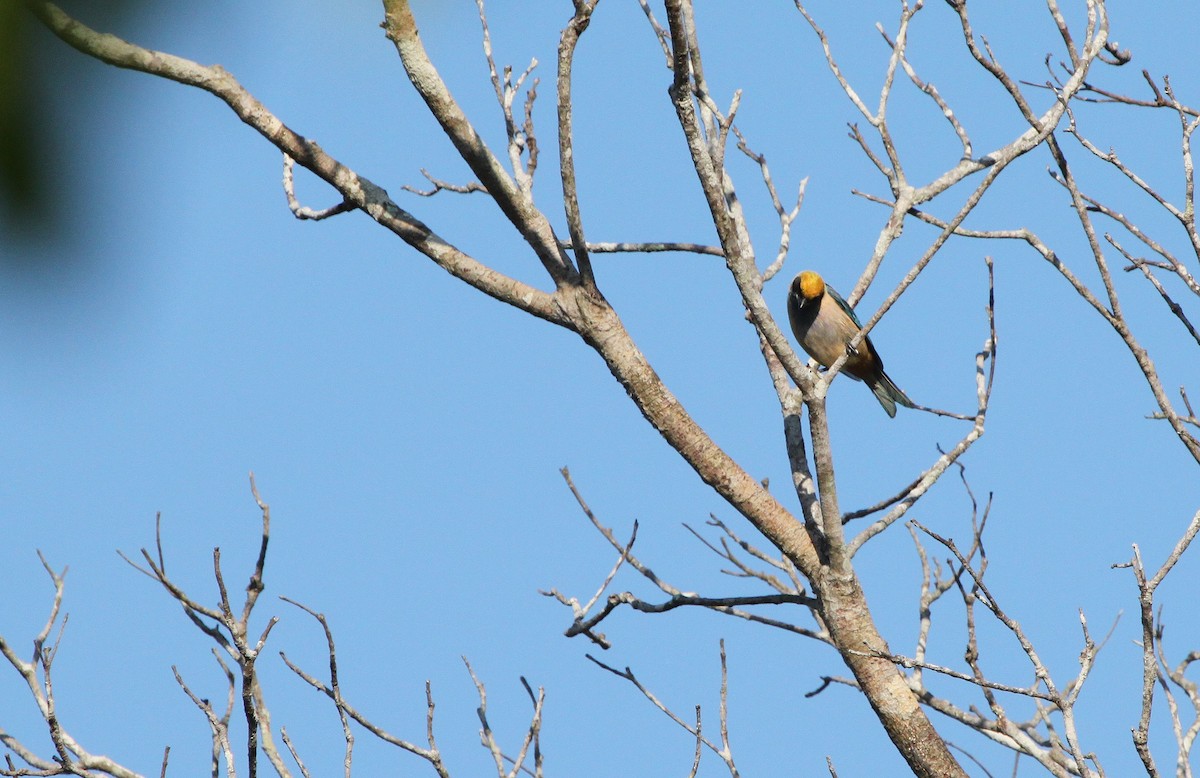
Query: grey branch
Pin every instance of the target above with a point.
(444, 186)
(725, 751)
(300, 211)
(71, 758)
(649, 248)
(584, 621)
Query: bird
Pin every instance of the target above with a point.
(824, 324)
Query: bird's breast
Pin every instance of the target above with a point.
(825, 335)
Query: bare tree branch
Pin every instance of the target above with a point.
(725, 752)
(584, 621)
(71, 757)
(300, 211)
(362, 192)
(346, 711)
(512, 196)
(649, 248)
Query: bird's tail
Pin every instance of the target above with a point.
(889, 395)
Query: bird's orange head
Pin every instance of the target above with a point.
(809, 285)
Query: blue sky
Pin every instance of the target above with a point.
(180, 328)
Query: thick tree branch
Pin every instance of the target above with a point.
(360, 191)
(566, 136)
(516, 204)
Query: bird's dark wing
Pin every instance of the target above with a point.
(845, 306)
